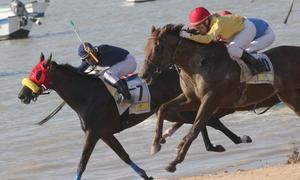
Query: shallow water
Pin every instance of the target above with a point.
(52, 151)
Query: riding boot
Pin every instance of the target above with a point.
(256, 66)
(122, 88)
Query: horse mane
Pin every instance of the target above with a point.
(74, 71)
(173, 29)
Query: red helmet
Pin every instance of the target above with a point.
(198, 15)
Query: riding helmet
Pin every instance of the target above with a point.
(198, 15)
(84, 48)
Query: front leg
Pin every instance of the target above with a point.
(90, 142)
(180, 103)
(207, 107)
(115, 145)
(170, 131)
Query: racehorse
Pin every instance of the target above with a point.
(88, 96)
(210, 79)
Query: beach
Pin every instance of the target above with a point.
(290, 170)
(278, 172)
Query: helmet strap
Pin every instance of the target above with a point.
(207, 23)
(90, 52)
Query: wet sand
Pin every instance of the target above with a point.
(290, 172)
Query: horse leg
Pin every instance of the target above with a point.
(292, 99)
(217, 124)
(179, 103)
(170, 131)
(115, 145)
(208, 145)
(207, 107)
(90, 142)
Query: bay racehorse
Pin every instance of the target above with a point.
(99, 117)
(210, 79)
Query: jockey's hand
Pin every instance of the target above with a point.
(185, 34)
(192, 31)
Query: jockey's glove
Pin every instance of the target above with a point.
(185, 34)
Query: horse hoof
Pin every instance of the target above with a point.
(155, 148)
(217, 148)
(162, 141)
(171, 168)
(147, 178)
(246, 139)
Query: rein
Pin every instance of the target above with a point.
(35, 96)
(176, 48)
(174, 54)
(259, 113)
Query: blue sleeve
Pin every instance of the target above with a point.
(84, 65)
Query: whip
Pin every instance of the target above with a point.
(290, 10)
(87, 49)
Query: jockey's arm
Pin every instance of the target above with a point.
(83, 66)
(212, 35)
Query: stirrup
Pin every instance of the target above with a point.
(127, 95)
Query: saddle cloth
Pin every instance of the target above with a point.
(140, 94)
(261, 78)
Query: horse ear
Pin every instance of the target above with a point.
(42, 57)
(153, 29)
(47, 63)
(50, 57)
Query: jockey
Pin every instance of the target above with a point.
(239, 32)
(264, 34)
(120, 61)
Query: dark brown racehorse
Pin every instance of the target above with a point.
(210, 78)
(98, 114)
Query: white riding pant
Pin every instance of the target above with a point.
(263, 41)
(242, 40)
(127, 66)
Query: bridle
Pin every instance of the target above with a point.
(43, 90)
(159, 68)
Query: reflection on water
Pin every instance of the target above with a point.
(52, 151)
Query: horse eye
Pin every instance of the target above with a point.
(38, 75)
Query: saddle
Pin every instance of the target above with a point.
(140, 94)
(266, 77)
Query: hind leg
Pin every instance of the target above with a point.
(291, 99)
(217, 124)
(115, 145)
